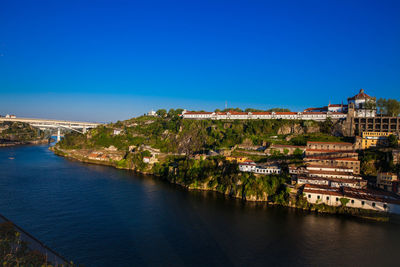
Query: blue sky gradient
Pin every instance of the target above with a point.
(110, 60)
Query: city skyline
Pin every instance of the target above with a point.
(109, 61)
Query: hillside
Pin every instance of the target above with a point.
(19, 133)
(191, 152)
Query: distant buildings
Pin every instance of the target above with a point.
(358, 115)
(8, 116)
(375, 139)
(234, 115)
(151, 113)
(250, 166)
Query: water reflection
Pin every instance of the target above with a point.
(100, 216)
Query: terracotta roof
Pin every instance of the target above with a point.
(309, 109)
(328, 143)
(261, 113)
(325, 158)
(315, 112)
(338, 180)
(312, 164)
(331, 150)
(360, 95)
(329, 172)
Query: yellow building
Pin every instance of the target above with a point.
(237, 159)
(374, 139)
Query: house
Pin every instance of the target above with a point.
(98, 156)
(332, 182)
(151, 113)
(117, 131)
(150, 160)
(388, 181)
(363, 104)
(351, 197)
(8, 116)
(267, 169)
(352, 163)
(336, 146)
(250, 166)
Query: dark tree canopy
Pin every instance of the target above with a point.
(389, 107)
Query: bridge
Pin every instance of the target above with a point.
(46, 124)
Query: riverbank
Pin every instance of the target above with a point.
(7, 143)
(292, 199)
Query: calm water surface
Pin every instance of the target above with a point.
(100, 216)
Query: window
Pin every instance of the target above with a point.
(384, 206)
(327, 198)
(318, 197)
(362, 203)
(337, 199)
(352, 201)
(309, 196)
(373, 204)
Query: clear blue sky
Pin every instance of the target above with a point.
(109, 60)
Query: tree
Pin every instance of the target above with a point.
(344, 201)
(393, 140)
(161, 112)
(389, 107)
(326, 126)
(278, 110)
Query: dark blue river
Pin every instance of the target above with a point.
(100, 216)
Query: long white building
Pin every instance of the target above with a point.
(234, 115)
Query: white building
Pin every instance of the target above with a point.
(151, 113)
(233, 115)
(258, 168)
(362, 199)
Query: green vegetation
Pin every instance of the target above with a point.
(393, 141)
(15, 252)
(223, 176)
(175, 135)
(179, 140)
(19, 131)
(389, 107)
(377, 160)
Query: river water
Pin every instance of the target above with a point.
(100, 216)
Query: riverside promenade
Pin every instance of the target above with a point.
(35, 244)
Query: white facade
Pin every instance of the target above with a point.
(361, 200)
(259, 169)
(317, 116)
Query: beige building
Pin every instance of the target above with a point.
(336, 162)
(388, 181)
(331, 153)
(336, 146)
